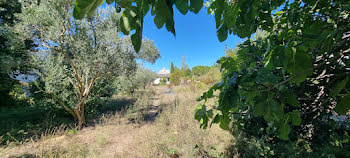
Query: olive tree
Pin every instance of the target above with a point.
(139, 80)
(76, 59)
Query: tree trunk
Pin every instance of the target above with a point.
(79, 112)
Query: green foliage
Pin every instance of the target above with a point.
(172, 68)
(21, 122)
(343, 105)
(140, 80)
(134, 11)
(293, 72)
(200, 70)
(187, 72)
(133, 15)
(246, 146)
(14, 51)
(276, 77)
(184, 68)
(207, 75)
(175, 77)
(77, 67)
(149, 52)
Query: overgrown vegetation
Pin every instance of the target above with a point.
(152, 123)
(141, 79)
(287, 84)
(85, 56)
(284, 87)
(14, 51)
(283, 92)
(175, 77)
(74, 64)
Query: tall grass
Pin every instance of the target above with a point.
(156, 124)
(177, 134)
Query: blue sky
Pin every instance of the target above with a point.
(195, 38)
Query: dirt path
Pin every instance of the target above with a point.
(116, 139)
(124, 139)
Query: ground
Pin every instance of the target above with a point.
(161, 125)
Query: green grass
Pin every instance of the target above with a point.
(19, 123)
(22, 123)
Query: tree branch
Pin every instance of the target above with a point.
(296, 75)
(62, 104)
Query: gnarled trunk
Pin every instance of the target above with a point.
(80, 114)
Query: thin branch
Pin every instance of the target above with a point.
(75, 73)
(87, 90)
(62, 104)
(296, 75)
(94, 32)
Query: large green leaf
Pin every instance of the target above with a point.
(216, 119)
(85, 7)
(295, 117)
(136, 39)
(169, 24)
(125, 24)
(292, 99)
(222, 33)
(159, 20)
(182, 6)
(302, 67)
(268, 107)
(224, 122)
(202, 115)
(337, 89)
(259, 109)
(343, 106)
(284, 131)
(196, 5)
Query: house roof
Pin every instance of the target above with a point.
(164, 72)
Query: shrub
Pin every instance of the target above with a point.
(140, 80)
(175, 78)
(200, 70)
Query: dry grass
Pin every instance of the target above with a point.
(177, 134)
(160, 125)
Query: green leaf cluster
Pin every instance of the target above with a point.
(289, 73)
(134, 11)
(77, 61)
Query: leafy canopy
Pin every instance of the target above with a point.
(292, 74)
(77, 60)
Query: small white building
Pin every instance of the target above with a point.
(163, 74)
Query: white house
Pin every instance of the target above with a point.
(163, 73)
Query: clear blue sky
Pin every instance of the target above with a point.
(195, 38)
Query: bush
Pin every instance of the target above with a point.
(247, 146)
(140, 80)
(200, 70)
(210, 77)
(175, 78)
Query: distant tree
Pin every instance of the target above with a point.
(172, 68)
(200, 70)
(175, 77)
(139, 80)
(176, 69)
(184, 66)
(144, 77)
(77, 59)
(187, 72)
(149, 52)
